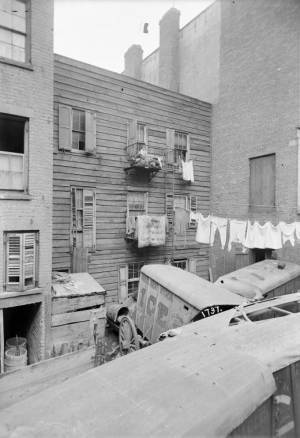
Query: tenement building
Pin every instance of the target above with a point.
(26, 131)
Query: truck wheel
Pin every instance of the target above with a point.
(128, 337)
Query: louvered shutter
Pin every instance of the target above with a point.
(73, 233)
(90, 132)
(193, 208)
(29, 252)
(192, 265)
(132, 132)
(188, 147)
(89, 219)
(123, 283)
(170, 209)
(170, 145)
(146, 135)
(65, 127)
(14, 260)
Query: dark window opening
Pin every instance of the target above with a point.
(78, 130)
(12, 134)
(257, 254)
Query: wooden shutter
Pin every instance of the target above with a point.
(170, 145)
(192, 265)
(146, 135)
(73, 233)
(89, 219)
(14, 260)
(193, 208)
(90, 132)
(65, 127)
(123, 283)
(188, 147)
(132, 132)
(29, 254)
(170, 209)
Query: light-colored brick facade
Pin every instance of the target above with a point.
(26, 90)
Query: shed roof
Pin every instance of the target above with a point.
(256, 280)
(80, 283)
(192, 289)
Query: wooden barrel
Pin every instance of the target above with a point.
(13, 360)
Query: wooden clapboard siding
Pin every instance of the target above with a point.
(116, 100)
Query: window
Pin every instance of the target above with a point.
(134, 270)
(21, 256)
(14, 29)
(77, 130)
(180, 263)
(13, 151)
(137, 203)
(141, 133)
(83, 218)
(178, 146)
(187, 202)
(262, 182)
(137, 137)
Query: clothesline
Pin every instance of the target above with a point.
(250, 235)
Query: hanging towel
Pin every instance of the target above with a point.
(218, 223)
(203, 229)
(237, 232)
(187, 170)
(288, 232)
(255, 237)
(297, 226)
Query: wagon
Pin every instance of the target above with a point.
(168, 297)
(265, 279)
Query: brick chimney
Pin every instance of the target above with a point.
(169, 50)
(133, 59)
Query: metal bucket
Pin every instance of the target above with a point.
(14, 359)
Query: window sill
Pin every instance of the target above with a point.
(24, 65)
(15, 196)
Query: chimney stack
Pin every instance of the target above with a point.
(169, 50)
(133, 61)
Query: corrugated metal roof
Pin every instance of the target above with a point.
(192, 289)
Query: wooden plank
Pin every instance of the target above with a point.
(71, 317)
(63, 305)
(77, 333)
(20, 384)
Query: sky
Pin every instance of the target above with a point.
(100, 31)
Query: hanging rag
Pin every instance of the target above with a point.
(203, 229)
(130, 225)
(182, 217)
(237, 232)
(288, 232)
(187, 170)
(151, 230)
(272, 236)
(218, 223)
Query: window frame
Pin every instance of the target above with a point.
(177, 159)
(26, 34)
(178, 261)
(25, 154)
(258, 206)
(20, 286)
(78, 131)
(74, 228)
(138, 266)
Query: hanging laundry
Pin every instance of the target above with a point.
(237, 232)
(297, 227)
(273, 238)
(187, 170)
(288, 232)
(263, 236)
(203, 229)
(151, 230)
(182, 217)
(218, 223)
(130, 225)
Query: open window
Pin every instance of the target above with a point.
(77, 130)
(137, 204)
(180, 201)
(178, 147)
(14, 30)
(13, 153)
(21, 261)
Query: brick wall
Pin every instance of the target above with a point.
(29, 92)
(257, 112)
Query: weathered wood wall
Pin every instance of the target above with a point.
(117, 99)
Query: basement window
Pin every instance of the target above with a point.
(13, 152)
(180, 263)
(21, 261)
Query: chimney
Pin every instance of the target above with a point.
(169, 50)
(133, 59)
